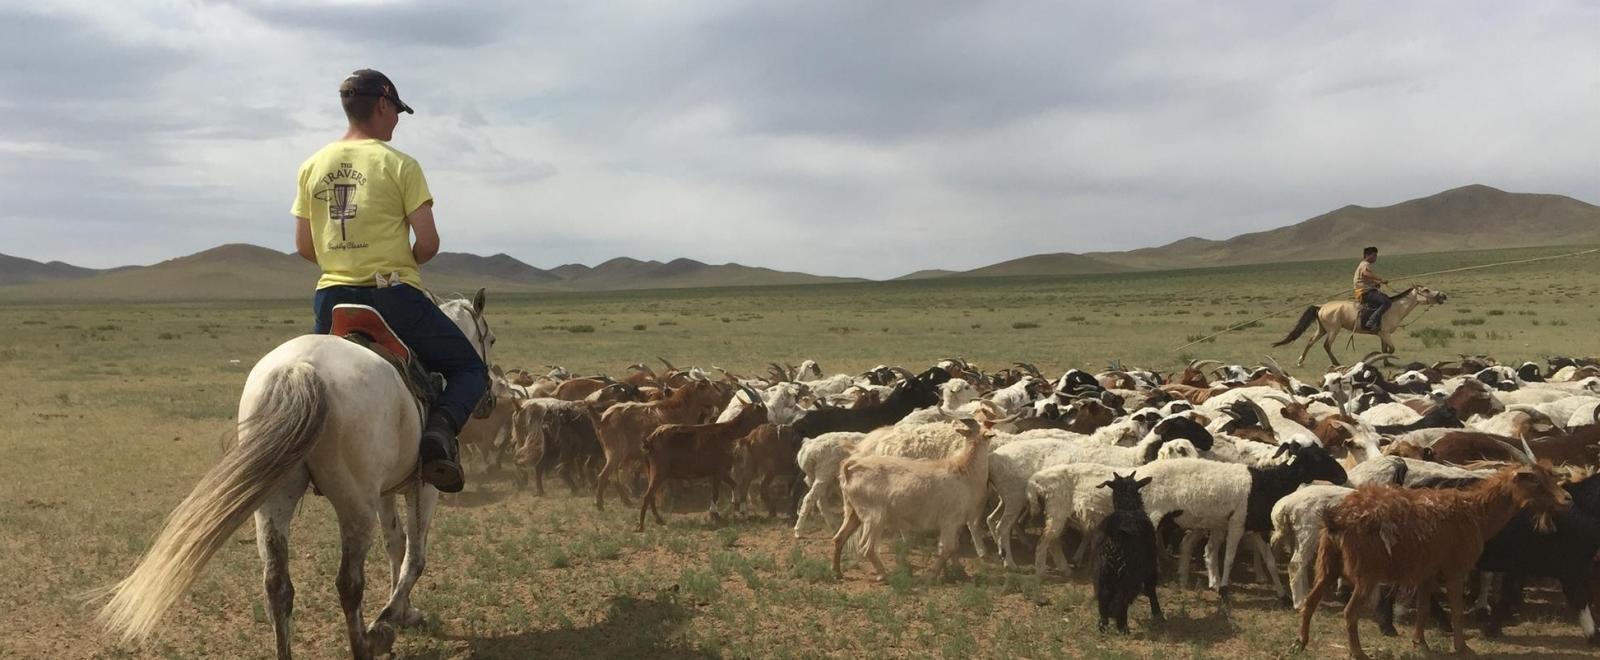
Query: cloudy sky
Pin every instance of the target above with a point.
(851, 138)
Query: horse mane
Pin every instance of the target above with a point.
(1405, 293)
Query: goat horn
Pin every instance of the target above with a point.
(1529, 451)
(1196, 365)
(904, 373)
(1274, 367)
(665, 362)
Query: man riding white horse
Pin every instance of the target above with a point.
(359, 200)
(1368, 293)
(319, 411)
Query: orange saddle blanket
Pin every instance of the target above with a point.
(360, 319)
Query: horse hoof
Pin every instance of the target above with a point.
(380, 638)
(412, 618)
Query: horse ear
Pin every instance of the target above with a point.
(477, 301)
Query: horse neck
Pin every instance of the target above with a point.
(1402, 306)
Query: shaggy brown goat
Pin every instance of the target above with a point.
(695, 451)
(1419, 539)
(767, 452)
(623, 428)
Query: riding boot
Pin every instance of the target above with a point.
(437, 455)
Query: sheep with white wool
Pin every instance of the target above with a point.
(1297, 521)
(1013, 463)
(884, 493)
(1223, 499)
(819, 460)
(926, 441)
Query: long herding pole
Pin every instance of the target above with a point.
(1407, 277)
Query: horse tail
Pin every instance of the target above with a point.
(1300, 328)
(289, 416)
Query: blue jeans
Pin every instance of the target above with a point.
(1379, 303)
(431, 335)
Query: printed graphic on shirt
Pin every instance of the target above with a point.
(338, 189)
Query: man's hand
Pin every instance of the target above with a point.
(302, 239)
(427, 243)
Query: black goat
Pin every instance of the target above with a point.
(1126, 564)
(1566, 554)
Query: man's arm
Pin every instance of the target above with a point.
(302, 239)
(427, 236)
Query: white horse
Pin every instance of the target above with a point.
(317, 409)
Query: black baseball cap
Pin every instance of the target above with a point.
(370, 82)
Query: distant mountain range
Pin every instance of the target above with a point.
(240, 271)
(1465, 218)
(1470, 217)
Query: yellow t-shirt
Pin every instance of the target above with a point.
(357, 194)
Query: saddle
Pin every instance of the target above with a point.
(365, 326)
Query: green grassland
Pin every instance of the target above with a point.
(111, 413)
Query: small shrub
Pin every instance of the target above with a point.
(1475, 320)
(666, 323)
(168, 336)
(109, 327)
(638, 326)
(555, 558)
(703, 586)
(576, 329)
(1434, 337)
(1497, 312)
(1556, 322)
(1024, 325)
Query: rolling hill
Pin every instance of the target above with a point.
(1466, 218)
(1470, 217)
(240, 271)
(229, 272)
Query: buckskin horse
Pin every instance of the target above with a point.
(1345, 315)
(317, 410)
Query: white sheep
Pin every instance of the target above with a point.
(926, 441)
(1383, 470)
(1014, 462)
(819, 459)
(1297, 520)
(782, 401)
(884, 493)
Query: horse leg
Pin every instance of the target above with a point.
(1327, 346)
(420, 501)
(355, 537)
(272, 541)
(1321, 330)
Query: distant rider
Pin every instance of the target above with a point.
(359, 202)
(1367, 283)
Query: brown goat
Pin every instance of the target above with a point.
(1192, 394)
(1419, 539)
(767, 452)
(695, 451)
(1090, 415)
(578, 389)
(1461, 447)
(624, 426)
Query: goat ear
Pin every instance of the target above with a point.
(1281, 450)
(1104, 484)
(1144, 482)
